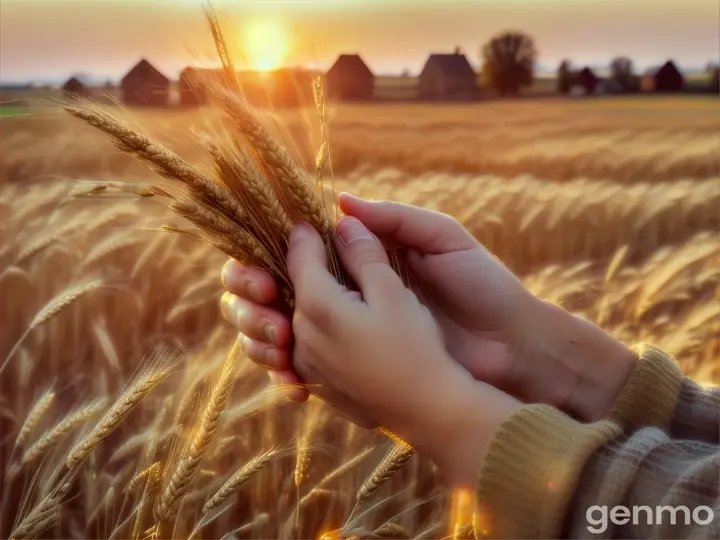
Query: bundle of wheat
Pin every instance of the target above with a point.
(246, 209)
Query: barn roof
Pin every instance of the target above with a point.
(669, 65)
(351, 62)
(455, 64)
(144, 70)
(73, 82)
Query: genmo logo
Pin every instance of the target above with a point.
(599, 517)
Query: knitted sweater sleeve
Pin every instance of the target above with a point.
(651, 469)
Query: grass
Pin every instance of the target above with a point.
(122, 413)
(8, 111)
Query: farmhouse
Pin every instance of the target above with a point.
(587, 80)
(74, 88)
(145, 85)
(665, 79)
(447, 76)
(349, 78)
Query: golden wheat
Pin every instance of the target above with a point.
(631, 241)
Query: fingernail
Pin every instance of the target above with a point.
(225, 305)
(224, 273)
(270, 357)
(350, 230)
(270, 333)
(231, 309)
(253, 290)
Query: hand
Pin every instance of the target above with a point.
(378, 354)
(491, 324)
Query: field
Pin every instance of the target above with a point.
(609, 207)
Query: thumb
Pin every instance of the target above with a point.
(427, 231)
(307, 266)
(365, 259)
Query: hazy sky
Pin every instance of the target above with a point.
(45, 39)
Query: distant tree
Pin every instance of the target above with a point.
(564, 77)
(621, 73)
(508, 62)
(714, 75)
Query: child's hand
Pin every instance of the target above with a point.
(490, 323)
(378, 354)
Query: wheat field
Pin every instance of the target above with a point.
(114, 354)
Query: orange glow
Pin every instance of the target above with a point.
(265, 45)
(463, 508)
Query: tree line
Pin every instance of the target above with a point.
(508, 62)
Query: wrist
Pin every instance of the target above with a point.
(589, 366)
(458, 432)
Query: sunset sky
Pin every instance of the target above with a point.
(50, 39)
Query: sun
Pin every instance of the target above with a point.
(265, 45)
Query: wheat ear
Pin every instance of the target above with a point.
(190, 460)
(337, 473)
(250, 469)
(391, 530)
(152, 485)
(291, 181)
(36, 414)
(66, 298)
(395, 459)
(117, 413)
(61, 429)
(163, 161)
(240, 173)
(129, 447)
(44, 513)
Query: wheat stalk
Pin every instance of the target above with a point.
(190, 460)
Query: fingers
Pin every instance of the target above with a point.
(256, 321)
(289, 378)
(267, 356)
(315, 288)
(250, 283)
(365, 259)
(425, 230)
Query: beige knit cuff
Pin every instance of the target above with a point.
(651, 393)
(531, 471)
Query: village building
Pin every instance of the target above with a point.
(668, 78)
(75, 88)
(349, 79)
(145, 85)
(447, 76)
(587, 79)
